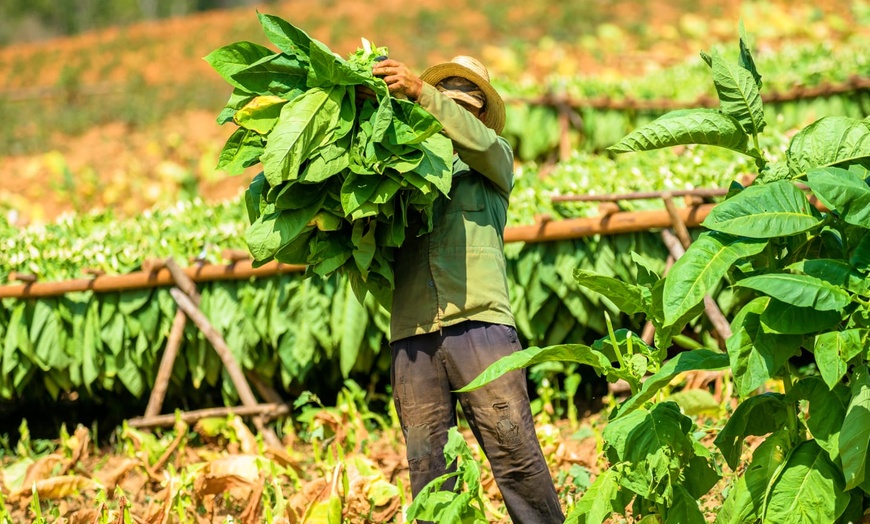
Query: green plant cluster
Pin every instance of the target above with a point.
(343, 176)
(802, 280)
(286, 328)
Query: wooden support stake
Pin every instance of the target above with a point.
(167, 361)
(182, 281)
(677, 222)
(176, 335)
(267, 411)
(223, 351)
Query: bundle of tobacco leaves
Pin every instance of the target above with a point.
(345, 177)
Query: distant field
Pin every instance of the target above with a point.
(125, 117)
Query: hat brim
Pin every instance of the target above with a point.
(494, 117)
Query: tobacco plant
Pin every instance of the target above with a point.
(801, 276)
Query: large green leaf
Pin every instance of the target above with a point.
(241, 150)
(629, 298)
(755, 416)
(837, 272)
(756, 354)
(413, 124)
(843, 191)
(437, 163)
(779, 317)
(810, 489)
(827, 411)
(685, 126)
(277, 75)
(287, 37)
(698, 359)
(834, 350)
(304, 123)
(598, 502)
(231, 59)
(328, 69)
(684, 509)
(855, 435)
(827, 142)
(745, 502)
(745, 59)
(799, 290)
(578, 353)
(738, 93)
(764, 211)
(269, 233)
(695, 274)
(348, 322)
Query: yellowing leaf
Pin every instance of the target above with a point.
(58, 487)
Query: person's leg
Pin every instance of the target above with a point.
(426, 406)
(501, 418)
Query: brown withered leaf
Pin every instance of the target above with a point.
(84, 516)
(115, 469)
(44, 468)
(160, 507)
(233, 473)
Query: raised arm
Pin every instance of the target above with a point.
(477, 145)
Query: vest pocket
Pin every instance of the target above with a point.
(466, 195)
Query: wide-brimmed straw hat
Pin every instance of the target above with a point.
(472, 70)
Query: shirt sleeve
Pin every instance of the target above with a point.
(477, 145)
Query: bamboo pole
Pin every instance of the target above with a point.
(615, 223)
(141, 279)
(640, 195)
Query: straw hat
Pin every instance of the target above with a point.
(473, 71)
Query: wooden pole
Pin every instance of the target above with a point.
(622, 222)
(262, 410)
(679, 226)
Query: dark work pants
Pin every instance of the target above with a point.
(425, 370)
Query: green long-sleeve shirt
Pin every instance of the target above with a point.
(457, 272)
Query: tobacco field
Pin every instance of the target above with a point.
(715, 373)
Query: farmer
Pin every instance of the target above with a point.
(451, 315)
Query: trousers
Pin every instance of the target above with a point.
(425, 371)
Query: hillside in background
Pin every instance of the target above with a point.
(124, 117)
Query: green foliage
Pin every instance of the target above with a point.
(343, 178)
(802, 277)
(462, 505)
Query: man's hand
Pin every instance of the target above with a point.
(399, 78)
